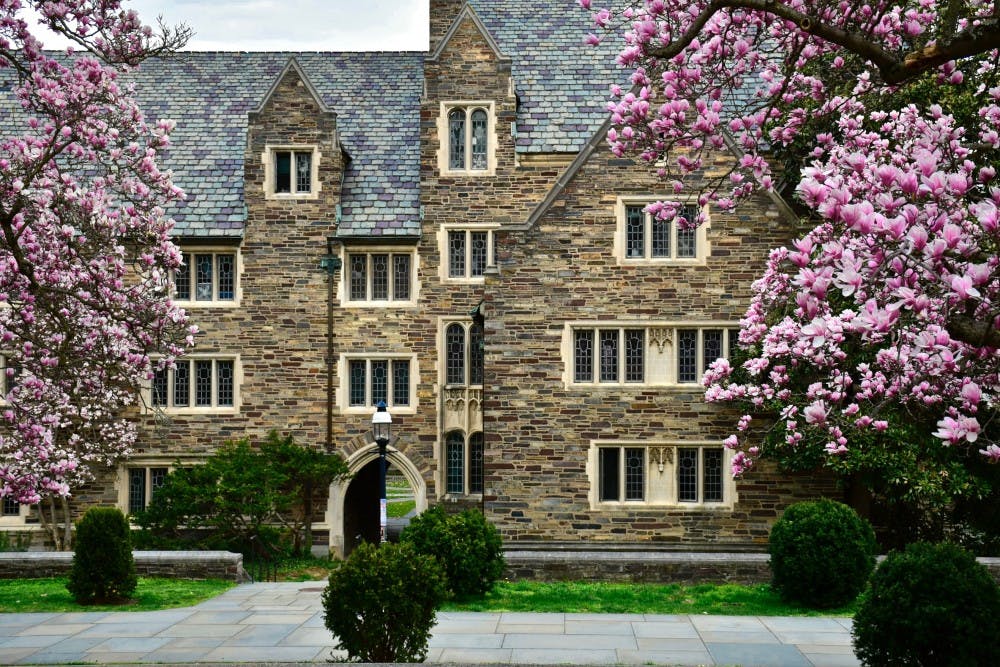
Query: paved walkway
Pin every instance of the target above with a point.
(283, 622)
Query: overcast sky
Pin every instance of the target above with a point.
(291, 25)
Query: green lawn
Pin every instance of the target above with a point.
(611, 598)
(50, 595)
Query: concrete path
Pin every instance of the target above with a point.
(258, 623)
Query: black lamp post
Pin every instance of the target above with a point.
(381, 430)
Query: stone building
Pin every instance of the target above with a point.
(447, 232)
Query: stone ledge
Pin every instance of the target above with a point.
(179, 564)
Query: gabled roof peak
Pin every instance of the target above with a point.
(293, 64)
(468, 12)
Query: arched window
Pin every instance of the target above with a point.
(479, 141)
(456, 139)
(455, 342)
(468, 138)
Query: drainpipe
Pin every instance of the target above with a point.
(330, 263)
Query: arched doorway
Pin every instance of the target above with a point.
(353, 508)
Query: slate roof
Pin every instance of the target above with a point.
(562, 87)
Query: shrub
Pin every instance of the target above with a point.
(380, 603)
(822, 553)
(468, 546)
(931, 604)
(103, 570)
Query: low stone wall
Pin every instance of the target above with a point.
(652, 566)
(176, 564)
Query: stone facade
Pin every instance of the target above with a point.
(308, 329)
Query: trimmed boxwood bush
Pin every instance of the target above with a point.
(468, 546)
(380, 603)
(822, 553)
(103, 571)
(931, 604)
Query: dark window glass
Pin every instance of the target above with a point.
(159, 389)
(687, 244)
(687, 351)
(182, 384)
(380, 277)
(661, 238)
(303, 172)
(380, 381)
(227, 276)
(455, 463)
(456, 139)
(635, 473)
(476, 463)
(479, 250)
(687, 475)
(583, 356)
(282, 171)
(609, 473)
(479, 140)
(182, 279)
(203, 382)
(609, 356)
(203, 286)
(712, 483)
(401, 277)
(712, 345)
(156, 478)
(401, 382)
(734, 342)
(635, 232)
(10, 507)
(635, 355)
(456, 254)
(136, 490)
(356, 373)
(359, 277)
(455, 356)
(476, 354)
(226, 385)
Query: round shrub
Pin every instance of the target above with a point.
(468, 546)
(380, 603)
(822, 553)
(931, 604)
(103, 571)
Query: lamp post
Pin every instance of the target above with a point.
(381, 430)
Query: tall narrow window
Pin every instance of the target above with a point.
(479, 248)
(609, 474)
(456, 139)
(583, 345)
(635, 232)
(635, 473)
(455, 342)
(158, 397)
(380, 381)
(380, 277)
(712, 345)
(476, 354)
(456, 254)
(609, 355)
(401, 277)
(476, 463)
(358, 374)
(400, 381)
(455, 463)
(468, 146)
(203, 383)
(712, 478)
(479, 123)
(635, 355)
(687, 355)
(687, 475)
(303, 172)
(182, 385)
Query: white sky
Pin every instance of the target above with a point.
(290, 25)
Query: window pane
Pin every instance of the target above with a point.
(476, 463)
(635, 232)
(608, 473)
(380, 381)
(203, 290)
(303, 172)
(456, 139)
(687, 475)
(609, 356)
(456, 254)
(479, 248)
(583, 356)
(734, 342)
(359, 277)
(635, 349)
(476, 354)
(401, 382)
(479, 139)
(136, 490)
(159, 389)
(224, 371)
(156, 478)
(282, 171)
(401, 277)
(182, 279)
(712, 484)
(687, 348)
(635, 471)
(455, 355)
(203, 382)
(687, 238)
(10, 507)
(455, 465)
(712, 346)
(182, 384)
(356, 373)
(380, 277)
(661, 238)
(227, 276)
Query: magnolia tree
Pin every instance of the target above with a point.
(85, 251)
(872, 344)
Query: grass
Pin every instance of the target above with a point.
(50, 595)
(613, 598)
(397, 510)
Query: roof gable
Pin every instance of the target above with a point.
(470, 14)
(292, 66)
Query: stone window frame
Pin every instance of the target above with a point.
(345, 282)
(215, 302)
(268, 160)
(344, 388)
(661, 349)
(467, 446)
(469, 106)
(214, 409)
(19, 519)
(660, 483)
(147, 463)
(620, 247)
(444, 251)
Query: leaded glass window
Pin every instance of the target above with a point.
(380, 381)
(635, 232)
(468, 139)
(456, 139)
(401, 277)
(136, 490)
(635, 473)
(303, 172)
(479, 141)
(359, 277)
(293, 171)
(712, 479)
(649, 237)
(10, 507)
(203, 383)
(455, 463)
(583, 357)
(687, 475)
(635, 355)
(401, 382)
(455, 356)
(687, 355)
(358, 377)
(456, 254)
(476, 463)
(609, 355)
(158, 396)
(380, 276)
(182, 279)
(711, 346)
(480, 246)
(182, 384)
(225, 389)
(660, 238)
(212, 274)
(469, 252)
(227, 276)
(476, 354)
(372, 380)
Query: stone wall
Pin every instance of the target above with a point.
(170, 564)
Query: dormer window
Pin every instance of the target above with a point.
(468, 143)
(290, 172)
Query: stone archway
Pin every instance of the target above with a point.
(353, 504)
